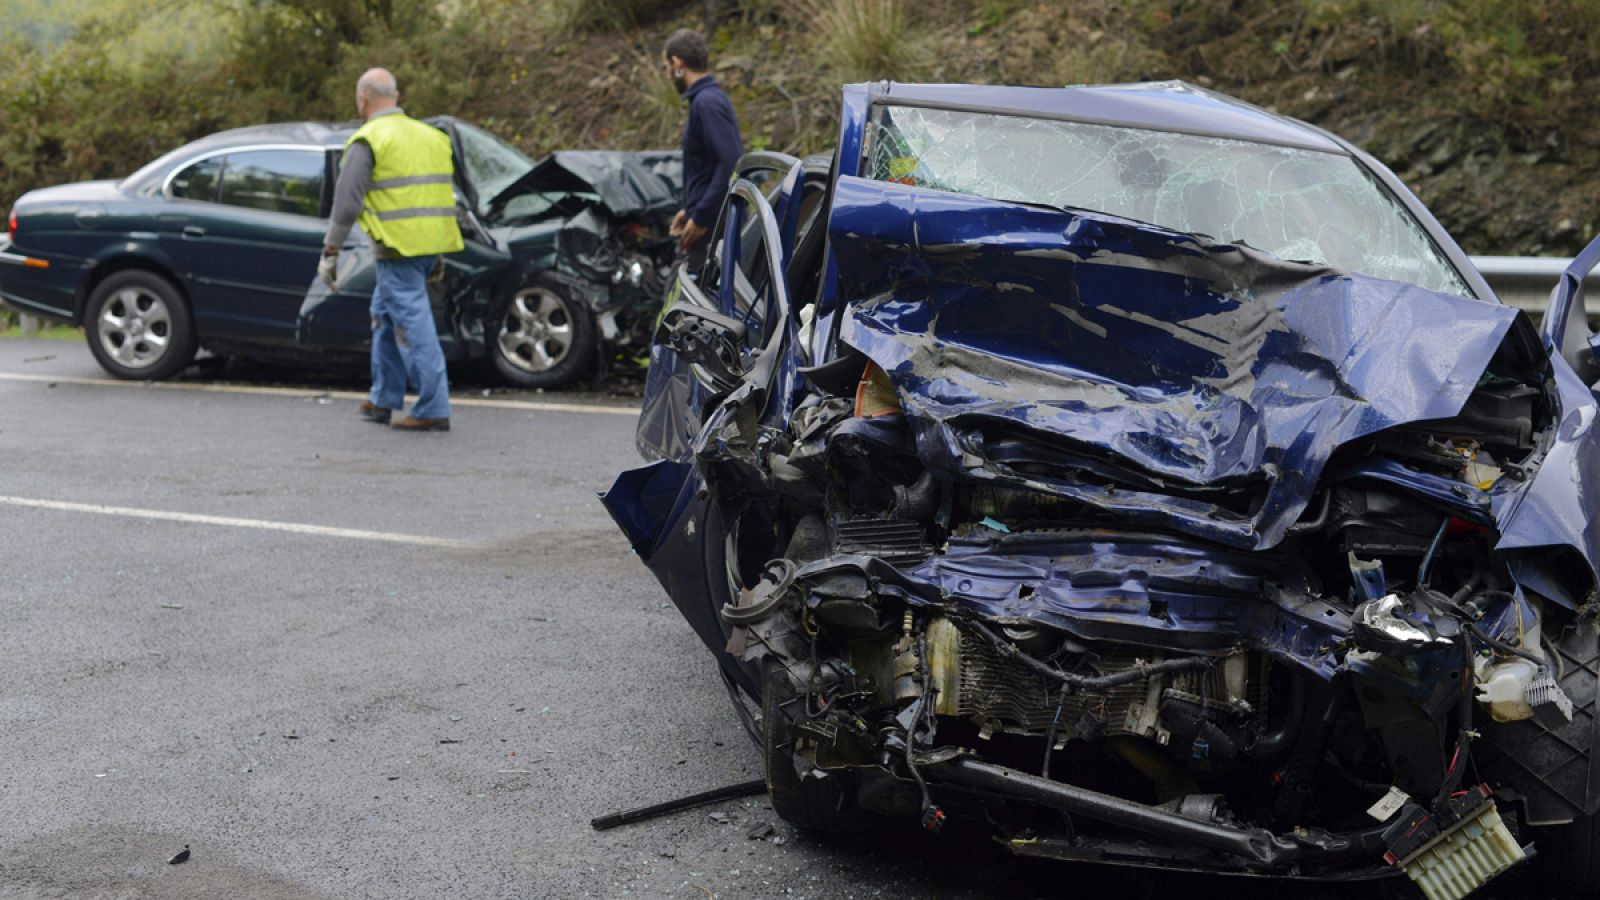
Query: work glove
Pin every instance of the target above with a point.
(328, 269)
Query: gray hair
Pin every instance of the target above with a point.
(377, 83)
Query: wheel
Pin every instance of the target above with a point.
(818, 804)
(545, 337)
(138, 326)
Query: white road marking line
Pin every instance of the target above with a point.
(208, 387)
(231, 522)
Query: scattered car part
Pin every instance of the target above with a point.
(657, 810)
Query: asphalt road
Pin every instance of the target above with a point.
(336, 661)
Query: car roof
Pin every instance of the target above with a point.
(317, 134)
(1157, 105)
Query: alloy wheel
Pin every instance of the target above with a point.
(135, 328)
(536, 334)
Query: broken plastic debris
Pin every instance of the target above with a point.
(762, 830)
(182, 856)
(171, 606)
(994, 524)
(1384, 617)
(1388, 804)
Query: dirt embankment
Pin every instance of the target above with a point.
(1495, 125)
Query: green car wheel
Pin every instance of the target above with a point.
(138, 326)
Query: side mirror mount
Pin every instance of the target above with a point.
(709, 341)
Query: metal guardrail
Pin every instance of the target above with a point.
(1526, 281)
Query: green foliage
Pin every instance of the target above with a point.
(106, 100)
(1462, 97)
(40, 23)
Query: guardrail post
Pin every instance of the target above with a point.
(27, 325)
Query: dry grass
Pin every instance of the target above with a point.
(865, 40)
(601, 15)
(658, 114)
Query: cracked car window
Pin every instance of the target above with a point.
(492, 164)
(1299, 205)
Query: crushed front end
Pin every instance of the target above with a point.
(1181, 555)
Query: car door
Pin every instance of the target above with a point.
(729, 339)
(246, 228)
(463, 290)
(673, 396)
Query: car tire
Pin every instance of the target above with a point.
(543, 337)
(139, 327)
(816, 804)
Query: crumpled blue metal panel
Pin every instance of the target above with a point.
(1153, 591)
(1203, 369)
(1560, 507)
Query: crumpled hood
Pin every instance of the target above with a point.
(627, 183)
(1179, 382)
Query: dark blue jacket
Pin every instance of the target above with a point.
(711, 148)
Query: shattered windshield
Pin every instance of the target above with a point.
(1296, 204)
(491, 163)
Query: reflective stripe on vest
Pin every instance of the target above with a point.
(410, 204)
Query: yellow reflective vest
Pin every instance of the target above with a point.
(410, 206)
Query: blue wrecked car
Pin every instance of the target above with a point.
(1142, 475)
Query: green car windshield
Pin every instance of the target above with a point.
(1296, 204)
(492, 164)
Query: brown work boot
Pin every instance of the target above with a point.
(406, 423)
(374, 413)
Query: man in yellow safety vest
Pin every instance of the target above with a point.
(395, 179)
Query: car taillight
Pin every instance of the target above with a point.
(11, 227)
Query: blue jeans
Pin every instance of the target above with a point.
(405, 345)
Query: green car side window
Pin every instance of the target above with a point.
(286, 181)
(199, 181)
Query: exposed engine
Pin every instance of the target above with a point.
(625, 266)
(936, 648)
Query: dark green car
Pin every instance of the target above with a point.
(215, 246)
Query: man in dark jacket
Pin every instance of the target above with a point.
(711, 142)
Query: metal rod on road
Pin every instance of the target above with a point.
(643, 813)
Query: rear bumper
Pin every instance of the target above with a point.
(37, 286)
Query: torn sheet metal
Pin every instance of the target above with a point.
(628, 184)
(1188, 373)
